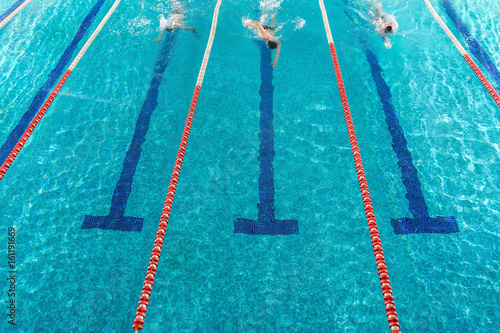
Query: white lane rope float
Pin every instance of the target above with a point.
(464, 54)
(14, 13)
(385, 283)
(15, 151)
(167, 207)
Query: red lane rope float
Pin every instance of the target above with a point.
(17, 148)
(385, 283)
(483, 79)
(464, 54)
(167, 207)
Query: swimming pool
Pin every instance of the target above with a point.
(324, 279)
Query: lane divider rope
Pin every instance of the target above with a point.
(464, 54)
(14, 13)
(390, 306)
(167, 207)
(15, 151)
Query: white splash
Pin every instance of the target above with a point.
(270, 5)
(299, 23)
(163, 21)
(245, 20)
(138, 25)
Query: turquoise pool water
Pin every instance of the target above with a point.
(210, 279)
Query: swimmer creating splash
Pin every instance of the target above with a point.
(174, 21)
(385, 24)
(266, 33)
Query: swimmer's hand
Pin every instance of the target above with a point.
(250, 24)
(191, 29)
(274, 64)
(387, 43)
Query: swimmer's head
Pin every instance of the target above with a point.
(271, 44)
(390, 27)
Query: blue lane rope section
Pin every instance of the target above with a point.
(54, 75)
(474, 46)
(421, 222)
(266, 224)
(11, 9)
(116, 220)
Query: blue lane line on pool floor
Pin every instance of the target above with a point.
(116, 220)
(476, 49)
(421, 222)
(11, 9)
(41, 95)
(266, 224)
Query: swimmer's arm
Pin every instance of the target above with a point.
(189, 28)
(276, 54)
(250, 23)
(256, 24)
(387, 42)
(378, 7)
(159, 36)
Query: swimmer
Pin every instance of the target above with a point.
(174, 21)
(266, 33)
(385, 24)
